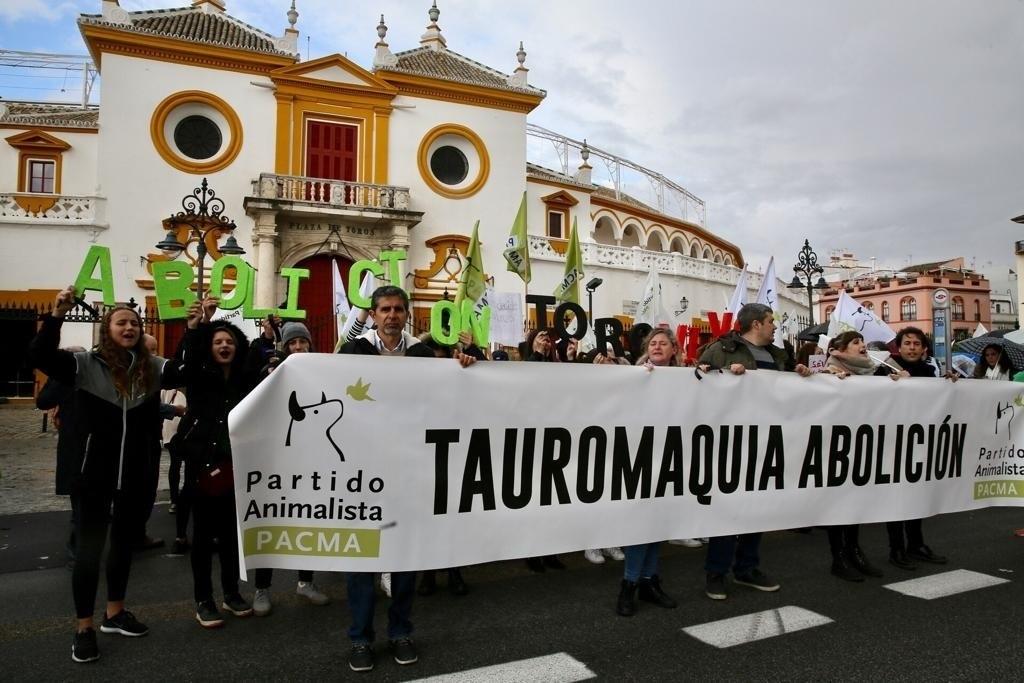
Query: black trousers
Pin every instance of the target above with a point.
(214, 518)
(904, 534)
(124, 513)
(843, 538)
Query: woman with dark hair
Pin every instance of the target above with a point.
(993, 364)
(117, 402)
(640, 574)
(215, 358)
(848, 355)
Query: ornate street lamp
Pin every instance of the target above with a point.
(205, 222)
(807, 265)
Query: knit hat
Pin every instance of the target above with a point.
(294, 330)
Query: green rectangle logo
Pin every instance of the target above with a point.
(1002, 488)
(311, 541)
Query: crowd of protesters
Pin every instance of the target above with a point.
(112, 418)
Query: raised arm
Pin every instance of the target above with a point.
(44, 352)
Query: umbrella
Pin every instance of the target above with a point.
(1013, 351)
(811, 334)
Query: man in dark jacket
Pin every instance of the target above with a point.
(749, 349)
(906, 539)
(390, 313)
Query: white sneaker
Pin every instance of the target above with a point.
(686, 542)
(261, 604)
(615, 553)
(385, 583)
(594, 556)
(311, 593)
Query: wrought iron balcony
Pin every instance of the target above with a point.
(337, 194)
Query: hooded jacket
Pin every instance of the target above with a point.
(203, 432)
(116, 431)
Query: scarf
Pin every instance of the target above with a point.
(853, 363)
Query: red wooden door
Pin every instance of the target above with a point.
(316, 297)
(331, 150)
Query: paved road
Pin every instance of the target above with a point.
(559, 626)
(511, 615)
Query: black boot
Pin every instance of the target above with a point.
(552, 562)
(626, 606)
(428, 583)
(898, 558)
(535, 564)
(456, 585)
(861, 564)
(650, 591)
(842, 568)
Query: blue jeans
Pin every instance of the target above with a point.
(362, 598)
(725, 552)
(641, 561)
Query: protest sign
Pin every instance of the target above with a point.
(346, 463)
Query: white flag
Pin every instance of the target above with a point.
(650, 309)
(769, 296)
(851, 315)
(342, 311)
(979, 331)
(739, 295)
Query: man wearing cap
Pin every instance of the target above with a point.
(295, 338)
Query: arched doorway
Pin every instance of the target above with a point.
(316, 297)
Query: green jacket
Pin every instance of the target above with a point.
(729, 349)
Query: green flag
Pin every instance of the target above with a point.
(471, 279)
(517, 251)
(569, 288)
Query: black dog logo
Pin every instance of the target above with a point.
(318, 418)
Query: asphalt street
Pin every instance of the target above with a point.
(511, 617)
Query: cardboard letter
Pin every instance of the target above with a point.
(291, 310)
(173, 295)
(243, 272)
(578, 313)
(355, 277)
(437, 312)
(104, 283)
(391, 258)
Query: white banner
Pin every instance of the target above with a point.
(506, 318)
(361, 463)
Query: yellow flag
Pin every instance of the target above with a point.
(471, 279)
(569, 288)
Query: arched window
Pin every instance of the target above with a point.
(707, 253)
(885, 311)
(958, 308)
(718, 258)
(728, 260)
(694, 252)
(977, 310)
(870, 305)
(908, 308)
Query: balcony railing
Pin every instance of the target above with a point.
(667, 263)
(331, 193)
(51, 209)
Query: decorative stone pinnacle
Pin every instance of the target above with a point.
(521, 54)
(382, 29)
(585, 152)
(434, 13)
(293, 15)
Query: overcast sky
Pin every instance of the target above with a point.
(892, 129)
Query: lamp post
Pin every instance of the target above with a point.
(204, 220)
(593, 284)
(807, 265)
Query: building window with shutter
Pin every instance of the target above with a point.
(41, 175)
(957, 308)
(908, 308)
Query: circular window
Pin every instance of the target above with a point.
(449, 165)
(453, 161)
(197, 137)
(196, 132)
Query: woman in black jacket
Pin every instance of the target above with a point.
(216, 380)
(117, 401)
